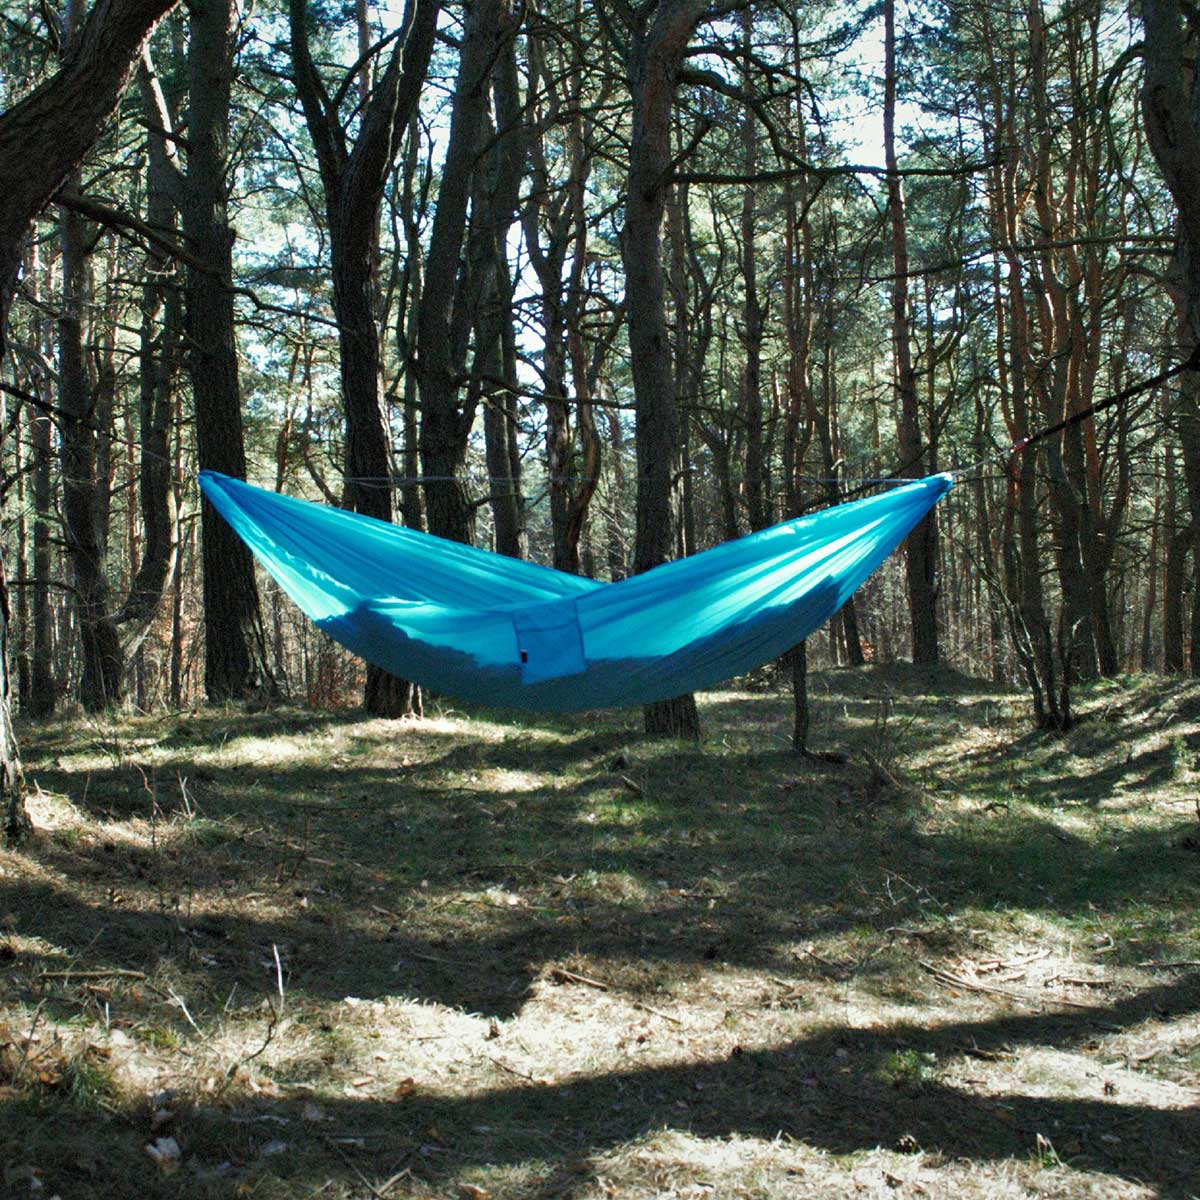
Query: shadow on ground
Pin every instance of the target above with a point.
(825, 1090)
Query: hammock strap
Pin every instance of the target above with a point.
(1191, 363)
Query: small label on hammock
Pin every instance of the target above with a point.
(549, 641)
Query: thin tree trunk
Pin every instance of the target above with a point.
(235, 650)
(494, 369)
(353, 181)
(920, 545)
(42, 691)
(445, 317)
(160, 356)
(752, 331)
(83, 422)
(614, 526)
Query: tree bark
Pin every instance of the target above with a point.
(43, 694)
(160, 357)
(797, 660)
(84, 525)
(353, 179)
(494, 373)
(658, 44)
(752, 331)
(1171, 104)
(45, 136)
(235, 651)
(43, 139)
(920, 546)
(446, 309)
(12, 779)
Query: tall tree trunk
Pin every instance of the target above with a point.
(412, 504)
(23, 651)
(160, 356)
(235, 651)
(757, 509)
(494, 373)
(1019, 538)
(83, 521)
(658, 43)
(799, 425)
(1145, 657)
(42, 140)
(42, 688)
(1171, 104)
(353, 181)
(555, 225)
(446, 309)
(921, 545)
(83, 428)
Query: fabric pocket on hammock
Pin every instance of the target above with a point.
(549, 641)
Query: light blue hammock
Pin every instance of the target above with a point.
(491, 629)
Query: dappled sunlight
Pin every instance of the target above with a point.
(546, 960)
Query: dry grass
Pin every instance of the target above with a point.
(472, 957)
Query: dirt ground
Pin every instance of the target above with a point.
(300, 954)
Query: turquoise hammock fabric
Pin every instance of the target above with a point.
(495, 630)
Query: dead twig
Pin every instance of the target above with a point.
(809, 952)
(19, 1073)
(1167, 964)
(178, 1000)
(976, 1051)
(276, 1011)
(946, 977)
(1076, 981)
(658, 1012)
(380, 1192)
(565, 976)
(98, 973)
(433, 958)
(512, 1070)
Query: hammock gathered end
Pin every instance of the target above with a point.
(498, 631)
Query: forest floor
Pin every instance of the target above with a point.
(301, 954)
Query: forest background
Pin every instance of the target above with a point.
(600, 285)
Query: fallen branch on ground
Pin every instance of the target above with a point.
(97, 973)
(946, 977)
(565, 976)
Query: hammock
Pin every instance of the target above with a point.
(495, 630)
